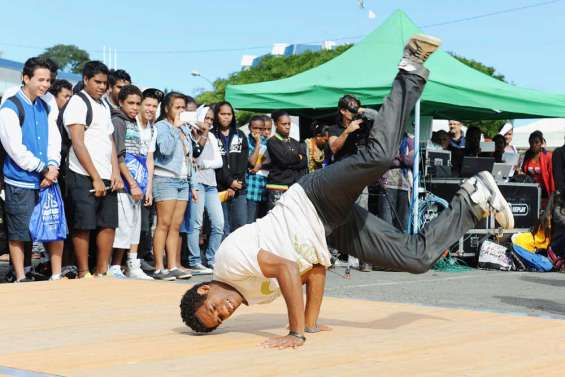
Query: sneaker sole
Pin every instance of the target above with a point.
(171, 278)
(503, 211)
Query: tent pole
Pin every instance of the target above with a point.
(416, 168)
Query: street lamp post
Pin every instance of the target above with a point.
(195, 73)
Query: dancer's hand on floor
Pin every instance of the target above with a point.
(282, 342)
(318, 328)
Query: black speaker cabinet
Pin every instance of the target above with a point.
(524, 198)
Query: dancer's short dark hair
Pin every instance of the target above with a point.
(189, 304)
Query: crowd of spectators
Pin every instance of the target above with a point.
(149, 194)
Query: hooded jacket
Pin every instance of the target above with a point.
(126, 135)
(235, 154)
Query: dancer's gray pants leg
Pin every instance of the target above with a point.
(352, 229)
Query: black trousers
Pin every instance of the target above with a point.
(352, 229)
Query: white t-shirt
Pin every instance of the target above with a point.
(97, 137)
(148, 136)
(292, 230)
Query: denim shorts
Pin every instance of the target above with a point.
(167, 188)
(19, 206)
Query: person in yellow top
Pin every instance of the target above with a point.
(316, 147)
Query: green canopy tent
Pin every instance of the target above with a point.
(366, 70)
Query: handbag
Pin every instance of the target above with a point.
(48, 222)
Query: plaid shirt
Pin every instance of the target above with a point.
(256, 190)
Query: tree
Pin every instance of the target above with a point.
(489, 127)
(68, 57)
(269, 68)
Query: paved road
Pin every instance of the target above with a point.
(520, 293)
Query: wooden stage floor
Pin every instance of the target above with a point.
(106, 327)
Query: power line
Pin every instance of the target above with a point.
(235, 49)
(496, 13)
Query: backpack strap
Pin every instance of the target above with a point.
(21, 111)
(44, 104)
(88, 108)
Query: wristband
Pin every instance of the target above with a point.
(44, 171)
(297, 335)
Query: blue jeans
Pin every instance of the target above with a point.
(235, 212)
(207, 198)
(255, 210)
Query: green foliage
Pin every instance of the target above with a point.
(68, 57)
(489, 127)
(269, 68)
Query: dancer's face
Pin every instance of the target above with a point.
(220, 304)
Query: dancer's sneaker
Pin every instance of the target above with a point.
(200, 269)
(420, 47)
(134, 270)
(489, 198)
(116, 272)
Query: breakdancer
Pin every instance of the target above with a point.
(289, 246)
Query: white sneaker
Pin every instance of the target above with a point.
(116, 272)
(489, 198)
(200, 269)
(134, 270)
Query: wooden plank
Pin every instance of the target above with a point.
(105, 327)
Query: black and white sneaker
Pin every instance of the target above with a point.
(418, 49)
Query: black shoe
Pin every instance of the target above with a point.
(146, 266)
(365, 267)
(24, 280)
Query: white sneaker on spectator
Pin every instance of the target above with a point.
(134, 270)
(200, 269)
(116, 272)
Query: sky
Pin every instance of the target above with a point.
(160, 42)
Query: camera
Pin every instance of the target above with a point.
(356, 115)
